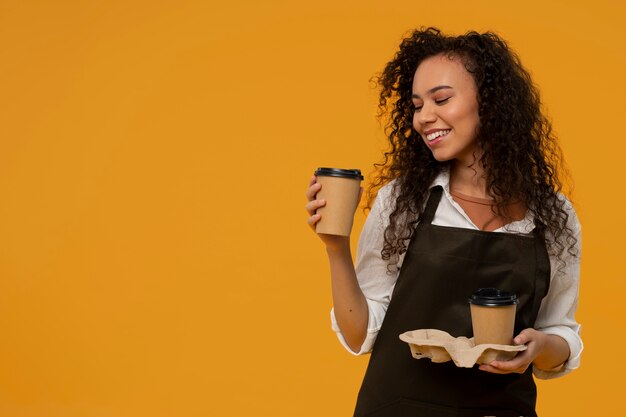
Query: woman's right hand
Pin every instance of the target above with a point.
(313, 204)
(332, 242)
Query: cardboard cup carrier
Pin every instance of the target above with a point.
(340, 189)
(493, 316)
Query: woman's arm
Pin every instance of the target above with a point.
(554, 346)
(350, 305)
(357, 329)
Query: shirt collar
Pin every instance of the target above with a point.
(526, 225)
(443, 180)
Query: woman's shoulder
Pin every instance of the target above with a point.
(387, 190)
(385, 201)
(568, 208)
(566, 221)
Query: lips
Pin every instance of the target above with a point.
(434, 134)
(433, 137)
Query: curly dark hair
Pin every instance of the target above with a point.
(521, 159)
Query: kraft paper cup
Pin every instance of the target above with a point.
(340, 189)
(493, 316)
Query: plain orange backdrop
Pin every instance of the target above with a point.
(154, 255)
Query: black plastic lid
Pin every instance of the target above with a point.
(338, 172)
(493, 297)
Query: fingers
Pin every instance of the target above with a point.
(495, 370)
(311, 221)
(516, 365)
(312, 206)
(489, 368)
(313, 189)
(525, 336)
(519, 364)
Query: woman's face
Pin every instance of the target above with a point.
(446, 109)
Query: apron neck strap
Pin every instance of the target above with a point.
(431, 206)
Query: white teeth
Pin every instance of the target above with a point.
(436, 134)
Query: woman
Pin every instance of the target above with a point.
(468, 196)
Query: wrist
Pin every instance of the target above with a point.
(338, 246)
(553, 353)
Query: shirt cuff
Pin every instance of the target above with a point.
(575, 348)
(368, 343)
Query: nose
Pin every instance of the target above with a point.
(426, 114)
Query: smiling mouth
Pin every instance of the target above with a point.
(437, 134)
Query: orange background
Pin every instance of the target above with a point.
(154, 255)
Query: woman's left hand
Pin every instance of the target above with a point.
(535, 342)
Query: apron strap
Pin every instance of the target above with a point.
(543, 269)
(431, 206)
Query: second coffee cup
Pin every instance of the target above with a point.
(493, 316)
(340, 189)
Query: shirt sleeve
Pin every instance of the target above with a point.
(556, 314)
(372, 273)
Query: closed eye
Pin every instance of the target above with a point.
(438, 102)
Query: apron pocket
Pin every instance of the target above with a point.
(405, 407)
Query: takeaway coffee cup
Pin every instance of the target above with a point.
(340, 189)
(493, 316)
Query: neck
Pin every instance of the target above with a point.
(468, 179)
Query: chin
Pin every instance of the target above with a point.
(442, 156)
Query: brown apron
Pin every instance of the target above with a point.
(441, 269)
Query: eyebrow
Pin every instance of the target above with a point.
(432, 90)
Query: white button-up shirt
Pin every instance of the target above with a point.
(556, 314)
